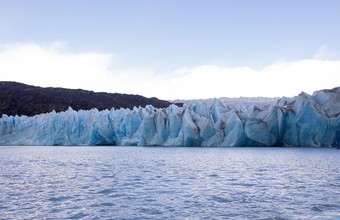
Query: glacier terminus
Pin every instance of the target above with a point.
(304, 120)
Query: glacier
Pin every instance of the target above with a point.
(303, 120)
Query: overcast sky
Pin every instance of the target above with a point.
(175, 49)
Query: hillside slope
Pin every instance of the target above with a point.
(21, 99)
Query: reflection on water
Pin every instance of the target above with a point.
(171, 183)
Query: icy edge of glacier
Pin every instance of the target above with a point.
(304, 120)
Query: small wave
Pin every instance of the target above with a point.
(78, 216)
(316, 209)
(220, 199)
(243, 184)
(105, 204)
(105, 191)
(59, 199)
(214, 175)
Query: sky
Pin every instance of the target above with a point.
(173, 49)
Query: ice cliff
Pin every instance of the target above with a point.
(304, 120)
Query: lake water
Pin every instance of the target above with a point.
(169, 183)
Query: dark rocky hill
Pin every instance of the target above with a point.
(20, 99)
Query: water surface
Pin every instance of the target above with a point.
(169, 183)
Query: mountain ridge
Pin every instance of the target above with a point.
(22, 99)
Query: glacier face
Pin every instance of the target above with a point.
(304, 120)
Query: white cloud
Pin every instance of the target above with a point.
(49, 65)
(324, 53)
(55, 65)
(279, 79)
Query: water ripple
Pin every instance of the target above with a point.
(168, 183)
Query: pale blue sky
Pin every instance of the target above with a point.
(164, 36)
